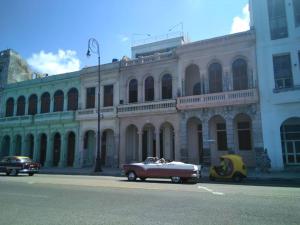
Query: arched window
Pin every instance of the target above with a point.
(45, 103)
(58, 101)
(32, 109)
(10, 107)
(192, 80)
(197, 89)
(133, 91)
(166, 86)
(73, 99)
(149, 89)
(21, 106)
(240, 78)
(215, 78)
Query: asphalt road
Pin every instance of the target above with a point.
(61, 199)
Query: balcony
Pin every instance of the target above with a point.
(218, 99)
(16, 121)
(86, 114)
(148, 59)
(54, 117)
(147, 107)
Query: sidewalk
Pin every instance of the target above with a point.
(253, 174)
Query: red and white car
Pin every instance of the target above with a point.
(154, 167)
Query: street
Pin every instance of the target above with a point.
(65, 199)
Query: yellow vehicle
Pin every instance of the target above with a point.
(232, 167)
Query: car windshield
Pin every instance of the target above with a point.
(25, 159)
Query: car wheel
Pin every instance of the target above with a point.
(237, 177)
(131, 176)
(7, 173)
(176, 180)
(31, 174)
(14, 172)
(143, 178)
(212, 178)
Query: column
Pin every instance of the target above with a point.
(51, 103)
(65, 101)
(49, 151)
(15, 107)
(12, 146)
(230, 133)
(24, 146)
(116, 159)
(36, 148)
(63, 151)
(177, 156)
(39, 105)
(78, 151)
(140, 152)
(207, 145)
(140, 92)
(150, 142)
(157, 142)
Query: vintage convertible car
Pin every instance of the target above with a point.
(13, 165)
(154, 167)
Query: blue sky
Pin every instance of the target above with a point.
(53, 34)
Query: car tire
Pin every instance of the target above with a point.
(14, 172)
(212, 178)
(176, 180)
(143, 178)
(131, 176)
(30, 174)
(237, 177)
(7, 173)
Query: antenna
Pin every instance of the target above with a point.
(177, 25)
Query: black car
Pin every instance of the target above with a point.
(13, 165)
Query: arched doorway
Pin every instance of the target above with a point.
(194, 140)
(167, 148)
(18, 145)
(5, 146)
(43, 148)
(107, 148)
(290, 141)
(243, 132)
(89, 148)
(56, 149)
(132, 143)
(71, 149)
(30, 145)
(148, 141)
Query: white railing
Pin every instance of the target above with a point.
(16, 119)
(148, 59)
(68, 115)
(158, 106)
(218, 99)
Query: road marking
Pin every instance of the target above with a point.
(24, 195)
(210, 190)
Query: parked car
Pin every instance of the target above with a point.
(154, 167)
(233, 168)
(13, 165)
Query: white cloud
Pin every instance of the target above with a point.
(55, 63)
(123, 38)
(240, 24)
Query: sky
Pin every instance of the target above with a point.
(52, 35)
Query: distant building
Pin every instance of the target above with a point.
(180, 100)
(277, 26)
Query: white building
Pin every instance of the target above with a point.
(277, 28)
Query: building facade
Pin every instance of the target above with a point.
(277, 26)
(182, 101)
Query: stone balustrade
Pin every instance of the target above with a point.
(147, 59)
(16, 120)
(54, 116)
(147, 107)
(218, 99)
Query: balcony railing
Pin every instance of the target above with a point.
(16, 120)
(148, 107)
(106, 112)
(54, 116)
(218, 99)
(148, 59)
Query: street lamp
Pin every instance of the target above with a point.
(93, 46)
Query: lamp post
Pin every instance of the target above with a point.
(93, 46)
